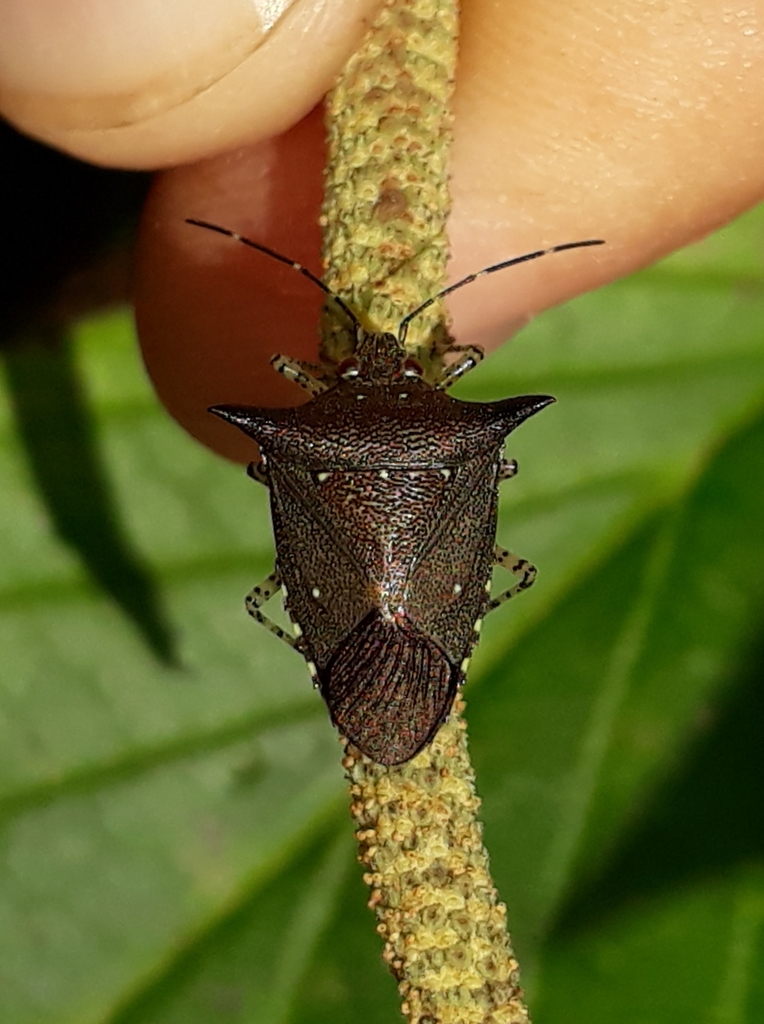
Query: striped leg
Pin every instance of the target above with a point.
(518, 567)
(507, 469)
(257, 597)
(299, 373)
(470, 356)
(257, 471)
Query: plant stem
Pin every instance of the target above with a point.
(386, 191)
(445, 931)
(385, 252)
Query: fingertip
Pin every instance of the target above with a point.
(146, 85)
(210, 312)
(639, 126)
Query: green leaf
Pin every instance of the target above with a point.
(174, 843)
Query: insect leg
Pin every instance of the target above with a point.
(507, 469)
(257, 471)
(518, 567)
(257, 597)
(300, 373)
(470, 356)
(310, 369)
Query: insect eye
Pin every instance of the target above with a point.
(348, 369)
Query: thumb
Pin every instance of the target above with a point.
(146, 85)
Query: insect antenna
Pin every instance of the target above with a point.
(404, 324)
(282, 259)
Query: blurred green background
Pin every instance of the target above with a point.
(175, 846)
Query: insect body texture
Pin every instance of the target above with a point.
(384, 501)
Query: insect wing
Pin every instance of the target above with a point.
(327, 590)
(447, 590)
(388, 688)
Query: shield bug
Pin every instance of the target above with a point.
(384, 494)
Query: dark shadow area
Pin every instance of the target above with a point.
(57, 432)
(67, 235)
(704, 822)
(61, 218)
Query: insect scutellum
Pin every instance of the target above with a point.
(384, 500)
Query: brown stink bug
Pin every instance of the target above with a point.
(384, 494)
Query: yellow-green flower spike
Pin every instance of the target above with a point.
(386, 191)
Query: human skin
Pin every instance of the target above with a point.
(638, 122)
